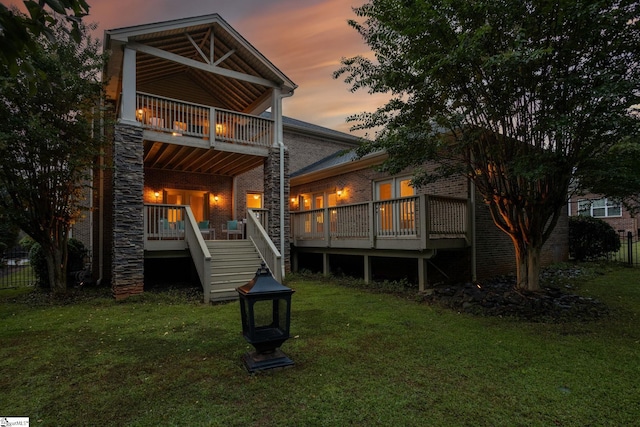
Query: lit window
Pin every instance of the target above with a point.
(254, 201)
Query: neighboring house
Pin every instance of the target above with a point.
(612, 212)
(200, 153)
(346, 214)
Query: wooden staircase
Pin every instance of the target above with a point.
(233, 263)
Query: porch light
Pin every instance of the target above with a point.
(219, 129)
(157, 194)
(216, 198)
(265, 309)
(339, 193)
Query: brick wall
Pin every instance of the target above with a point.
(624, 223)
(219, 212)
(303, 150)
(494, 249)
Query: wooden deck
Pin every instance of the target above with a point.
(416, 223)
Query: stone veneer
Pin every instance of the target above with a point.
(272, 200)
(128, 225)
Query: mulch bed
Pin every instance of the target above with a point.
(498, 297)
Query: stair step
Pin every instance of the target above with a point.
(234, 269)
(223, 294)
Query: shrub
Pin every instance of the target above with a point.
(75, 261)
(591, 238)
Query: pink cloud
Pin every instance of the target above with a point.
(305, 40)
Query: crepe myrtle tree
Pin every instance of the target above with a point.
(520, 96)
(47, 142)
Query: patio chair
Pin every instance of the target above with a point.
(233, 228)
(210, 233)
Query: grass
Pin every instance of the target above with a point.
(623, 254)
(362, 358)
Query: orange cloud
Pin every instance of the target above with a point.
(304, 39)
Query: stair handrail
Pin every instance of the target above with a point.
(199, 252)
(264, 245)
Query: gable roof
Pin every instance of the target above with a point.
(306, 128)
(206, 48)
(340, 162)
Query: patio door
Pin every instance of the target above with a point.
(395, 216)
(197, 200)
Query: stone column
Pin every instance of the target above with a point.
(272, 201)
(128, 225)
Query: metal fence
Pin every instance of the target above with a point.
(15, 270)
(629, 252)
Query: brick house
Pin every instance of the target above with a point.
(346, 214)
(611, 211)
(198, 161)
(195, 182)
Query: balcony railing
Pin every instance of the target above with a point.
(412, 223)
(181, 118)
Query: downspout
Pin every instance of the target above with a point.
(282, 199)
(101, 200)
(474, 259)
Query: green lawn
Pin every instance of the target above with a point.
(623, 254)
(361, 359)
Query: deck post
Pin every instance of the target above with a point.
(372, 225)
(422, 274)
(424, 221)
(367, 269)
(326, 265)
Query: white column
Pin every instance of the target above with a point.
(128, 97)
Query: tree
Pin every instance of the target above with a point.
(47, 142)
(18, 32)
(517, 95)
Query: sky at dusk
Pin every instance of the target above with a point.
(305, 39)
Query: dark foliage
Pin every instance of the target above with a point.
(591, 238)
(76, 253)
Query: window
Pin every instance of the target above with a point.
(395, 216)
(601, 208)
(254, 200)
(198, 200)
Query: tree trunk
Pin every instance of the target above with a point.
(521, 264)
(56, 268)
(533, 265)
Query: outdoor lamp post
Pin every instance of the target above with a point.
(265, 307)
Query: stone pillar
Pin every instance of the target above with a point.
(272, 201)
(128, 225)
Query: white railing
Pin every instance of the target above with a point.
(396, 217)
(409, 218)
(268, 251)
(182, 118)
(175, 227)
(263, 217)
(164, 222)
(448, 216)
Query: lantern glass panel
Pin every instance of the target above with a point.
(263, 314)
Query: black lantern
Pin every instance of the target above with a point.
(265, 307)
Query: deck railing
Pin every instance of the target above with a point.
(174, 227)
(181, 118)
(268, 251)
(414, 222)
